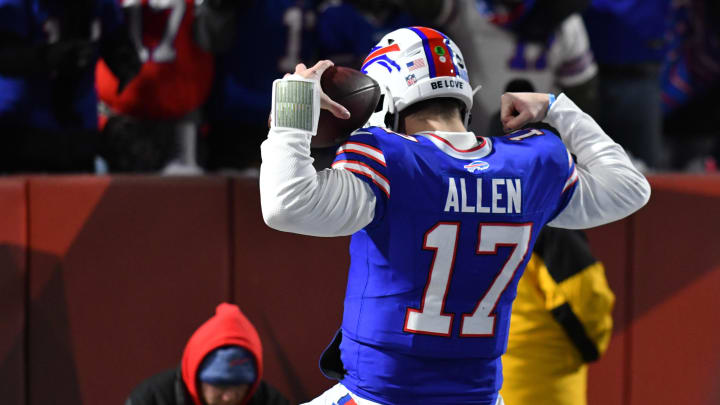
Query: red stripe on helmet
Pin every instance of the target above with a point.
(434, 40)
(382, 51)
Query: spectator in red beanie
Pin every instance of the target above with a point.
(221, 365)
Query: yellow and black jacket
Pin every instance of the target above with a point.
(561, 320)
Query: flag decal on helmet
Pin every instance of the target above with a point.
(416, 64)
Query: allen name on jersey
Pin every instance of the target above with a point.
(502, 196)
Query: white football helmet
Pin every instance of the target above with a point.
(414, 64)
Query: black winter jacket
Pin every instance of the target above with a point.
(167, 388)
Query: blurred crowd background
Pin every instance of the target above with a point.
(183, 86)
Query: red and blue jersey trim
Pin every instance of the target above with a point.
(345, 400)
(568, 189)
(573, 177)
(362, 156)
(365, 150)
(481, 143)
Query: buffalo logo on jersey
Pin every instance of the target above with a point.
(477, 166)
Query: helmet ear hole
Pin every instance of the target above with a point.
(379, 105)
(389, 121)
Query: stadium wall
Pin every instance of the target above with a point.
(103, 279)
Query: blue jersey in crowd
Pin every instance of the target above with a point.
(628, 31)
(27, 100)
(346, 35)
(433, 276)
(692, 63)
(271, 38)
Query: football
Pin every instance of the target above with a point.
(357, 92)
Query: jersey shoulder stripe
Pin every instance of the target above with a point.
(363, 146)
(363, 155)
(362, 149)
(573, 178)
(363, 169)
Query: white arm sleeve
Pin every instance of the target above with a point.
(609, 187)
(295, 198)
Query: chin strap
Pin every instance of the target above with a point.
(467, 119)
(392, 114)
(476, 89)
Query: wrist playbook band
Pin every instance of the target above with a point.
(295, 104)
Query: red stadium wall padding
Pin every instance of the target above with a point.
(676, 323)
(104, 279)
(122, 271)
(292, 288)
(608, 379)
(13, 273)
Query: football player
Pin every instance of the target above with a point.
(443, 221)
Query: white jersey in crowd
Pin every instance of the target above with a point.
(495, 57)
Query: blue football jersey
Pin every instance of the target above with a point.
(626, 32)
(272, 36)
(28, 100)
(346, 35)
(690, 68)
(433, 276)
